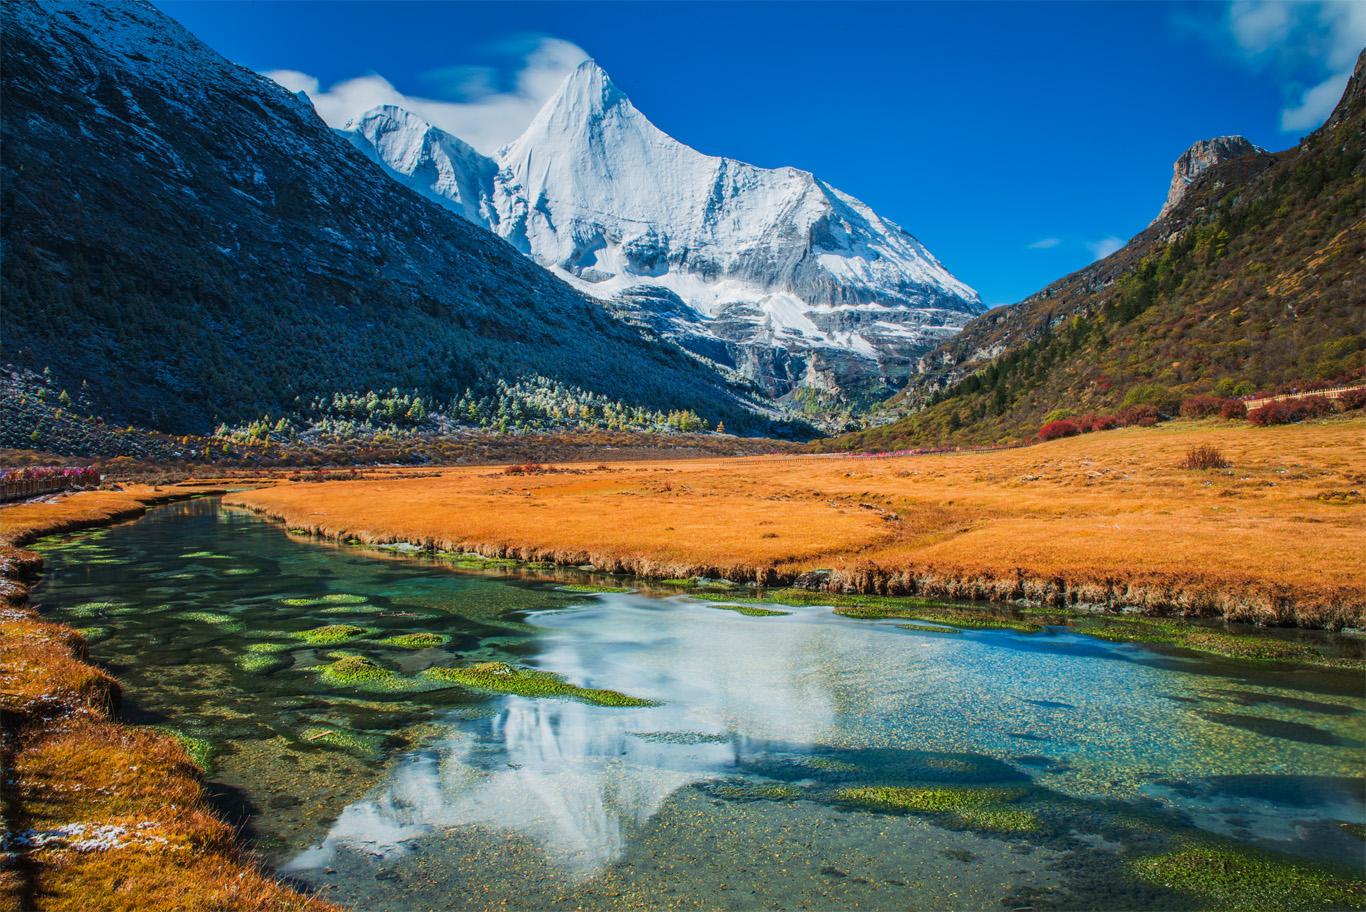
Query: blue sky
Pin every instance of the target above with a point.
(1017, 141)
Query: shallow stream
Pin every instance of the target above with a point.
(801, 760)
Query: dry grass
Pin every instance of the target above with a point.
(72, 773)
(1104, 518)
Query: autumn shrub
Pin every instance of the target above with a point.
(1056, 429)
(1203, 406)
(1204, 457)
(1093, 422)
(1352, 400)
(1139, 416)
(1233, 409)
(1289, 411)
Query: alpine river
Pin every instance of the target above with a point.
(796, 760)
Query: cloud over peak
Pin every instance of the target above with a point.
(1311, 45)
(487, 107)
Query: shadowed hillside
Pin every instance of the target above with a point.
(190, 243)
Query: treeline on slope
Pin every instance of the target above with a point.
(193, 245)
(526, 405)
(41, 422)
(1253, 284)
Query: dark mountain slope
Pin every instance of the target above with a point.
(1253, 280)
(193, 243)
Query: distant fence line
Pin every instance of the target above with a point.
(1331, 393)
(23, 490)
(38, 481)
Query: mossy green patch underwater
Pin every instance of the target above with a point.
(1239, 879)
(502, 678)
(224, 622)
(976, 807)
(749, 610)
(416, 640)
(332, 634)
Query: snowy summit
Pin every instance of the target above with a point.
(771, 272)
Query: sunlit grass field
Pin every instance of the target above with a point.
(1106, 518)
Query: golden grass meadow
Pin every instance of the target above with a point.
(1103, 518)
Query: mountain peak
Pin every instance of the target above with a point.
(586, 94)
(1199, 158)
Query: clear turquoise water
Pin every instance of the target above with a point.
(727, 794)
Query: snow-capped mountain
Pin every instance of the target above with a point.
(770, 271)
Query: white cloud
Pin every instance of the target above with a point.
(476, 111)
(1105, 246)
(1315, 104)
(1312, 45)
(1047, 243)
(294, 80)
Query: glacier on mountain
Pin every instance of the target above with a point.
(770, 272)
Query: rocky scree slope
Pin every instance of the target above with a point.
(191, 243)
(1252, 280)
(771, 272)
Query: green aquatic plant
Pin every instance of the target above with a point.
(366, 674)
(353, 608)
(95, 634)
(980, 808)
(416, 640)
(240, 571)
(752, 792)
(331, 634)
(469, 560)
(828, 765)
(205, 555)
(200, 749)
(94, 609)
(1244, 646)
(368, 746)
(1238, 879)
(930, 628)
(681, 737)
(269, 648)
(584, 587)
(940, 614)
(501, 678)
(331, 598)
(749, 610)
(225, 622)
(261, 662)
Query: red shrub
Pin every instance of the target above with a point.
(1288, 411)
(1139, 415)
(1352, 400)
(1093, 422)
(1203, 406)
(1233, 408)
(1055, 429)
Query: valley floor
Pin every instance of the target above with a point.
(1107, 519)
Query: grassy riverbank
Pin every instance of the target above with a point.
(1109, 520)
(96, 810)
